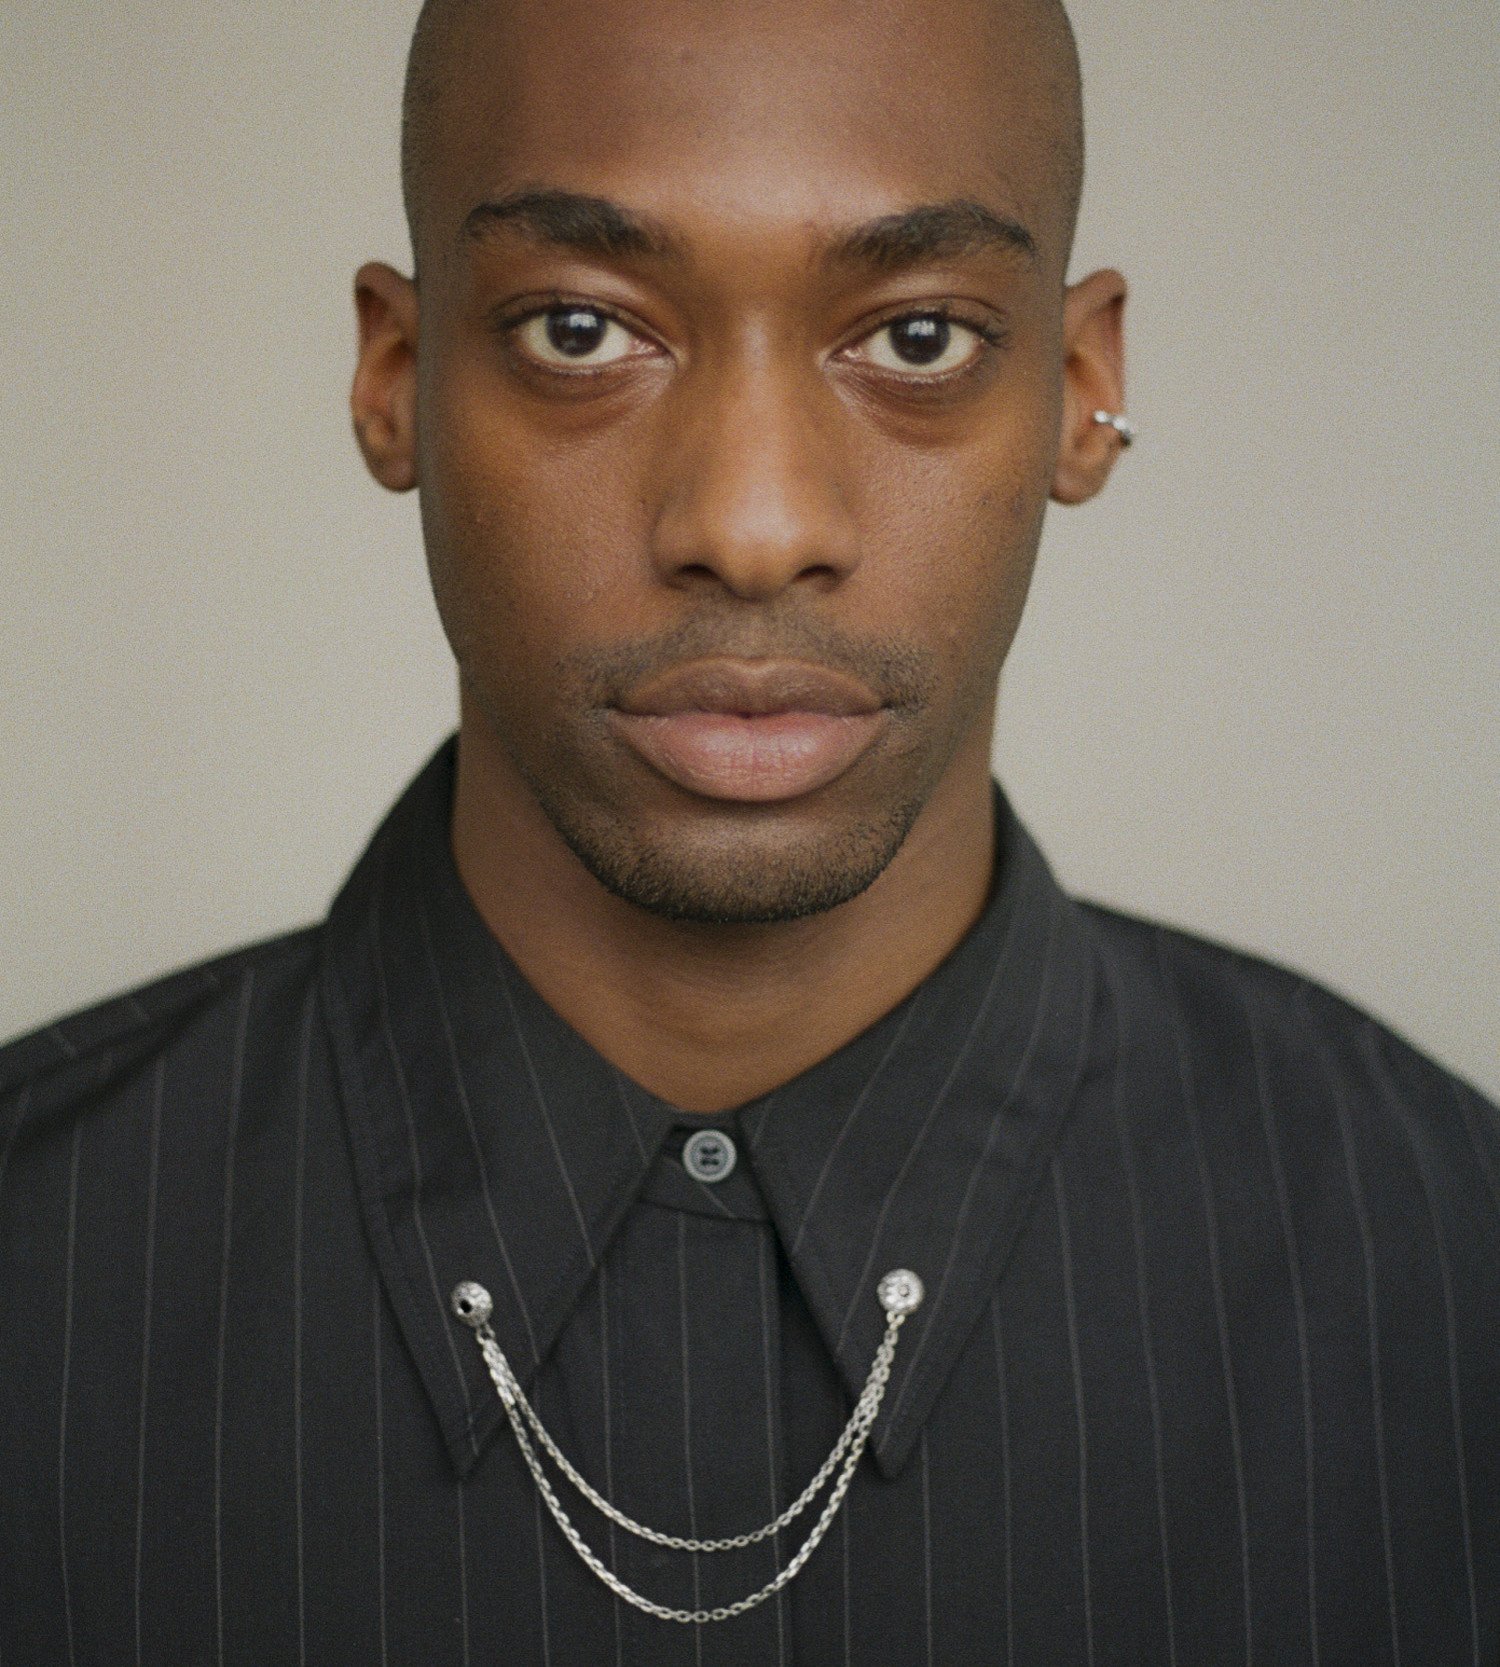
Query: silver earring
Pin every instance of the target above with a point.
(1121, 425)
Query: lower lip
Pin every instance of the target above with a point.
(755, 760)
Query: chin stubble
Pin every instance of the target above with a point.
(730, 888)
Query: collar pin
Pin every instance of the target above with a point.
(901, 1292)
(471, 1302)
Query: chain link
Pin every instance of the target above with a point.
(844, 1458)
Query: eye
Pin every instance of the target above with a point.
(921, 343)
(583, 336)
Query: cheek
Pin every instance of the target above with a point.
(527, 543)
(959, 536)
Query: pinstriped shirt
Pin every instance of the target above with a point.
(1208, 1371)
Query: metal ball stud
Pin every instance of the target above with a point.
(471, 1302)
(901, 1291)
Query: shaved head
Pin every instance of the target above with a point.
(1031, 43)
(426, 71)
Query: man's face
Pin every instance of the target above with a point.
(738, 404)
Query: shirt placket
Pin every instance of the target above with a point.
(694, 1425)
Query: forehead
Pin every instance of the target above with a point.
(777, 108)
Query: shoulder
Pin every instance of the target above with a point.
(1241, 1030)
(198, 1018)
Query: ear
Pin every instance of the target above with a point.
(383, 400)
(1093, 380)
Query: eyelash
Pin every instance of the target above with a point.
(991, 334)
(509, 323)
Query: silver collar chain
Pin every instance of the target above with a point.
(900, 1294)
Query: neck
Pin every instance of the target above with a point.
(710, 1016)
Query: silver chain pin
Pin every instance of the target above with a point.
(900, 1293)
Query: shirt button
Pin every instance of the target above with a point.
(708, 1155)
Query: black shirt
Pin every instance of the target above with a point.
(1208, 1369)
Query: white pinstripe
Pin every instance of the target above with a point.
(844, 1516)
(231, 1139)
(623, 1095)
(927, 1551)
(862, 1284)
(147, 1298)
(379, 1386)
(1299, 1311)
(1445, 1273)
(541, 1577)
(609, 1453)
(1070, 1307)
(773, 1491)
(59, 1036)
(298, 1187)
(542, 1106)
(67, 1365)
(1221, 1318)
(687, 1425)
(1143, 1312)
(1005, 1484)
(421, 1232)
(463, 1574)
(1377, 1406)
(461, 1088)
(398, 1070)
(992, 1134)
(849, 1122)
(23, 1105)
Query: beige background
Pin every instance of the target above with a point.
(1257, 690)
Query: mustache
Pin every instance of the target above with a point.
(899, 675)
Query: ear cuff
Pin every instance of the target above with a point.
(1120, 424)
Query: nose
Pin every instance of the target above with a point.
(754, 501)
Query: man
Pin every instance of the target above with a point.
(702, 1049)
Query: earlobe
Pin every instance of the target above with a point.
(383, 399)
(1094, 430)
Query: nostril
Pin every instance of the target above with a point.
(756, 580)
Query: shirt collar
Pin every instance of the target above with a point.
(491, 1142)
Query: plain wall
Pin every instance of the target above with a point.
(1256, 693)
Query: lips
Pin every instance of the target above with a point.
(754, 731)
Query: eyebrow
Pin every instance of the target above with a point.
(597, 226)
(570, 220)
(932, 231)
